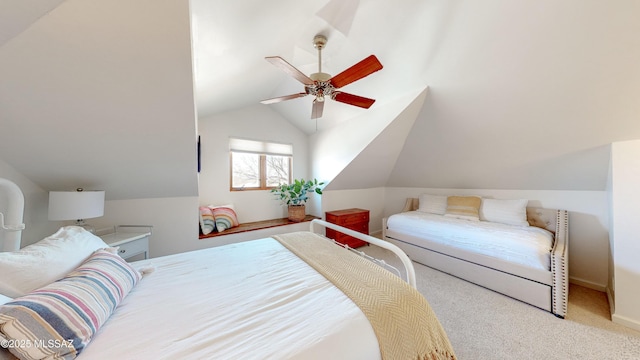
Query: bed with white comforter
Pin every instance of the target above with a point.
(70, 295)
(246, 300)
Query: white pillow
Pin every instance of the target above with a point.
(433, 204)
(46, 261)
(510, 212)
(4, 299)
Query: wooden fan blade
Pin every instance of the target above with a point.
(316, 111)
(283, 98)
(354, 100)
(289, 69)
(364, 68)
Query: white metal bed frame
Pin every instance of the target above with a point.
(406, 262)
(15, 211)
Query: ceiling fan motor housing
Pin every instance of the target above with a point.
(322, 87)
(319, 41)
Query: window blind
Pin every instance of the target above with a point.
(260, 147)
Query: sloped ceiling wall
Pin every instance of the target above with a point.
(355, 143)
(526, 95)
(17, 15)
(99, 94)
(372, 166)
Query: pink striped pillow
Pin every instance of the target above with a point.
(63, 316)
(226, 218)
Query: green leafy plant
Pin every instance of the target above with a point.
(296, 192)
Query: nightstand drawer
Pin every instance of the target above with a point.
(132, 241)
(133, 248)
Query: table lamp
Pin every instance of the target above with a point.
(76, 205)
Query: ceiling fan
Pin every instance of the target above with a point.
(322, 85)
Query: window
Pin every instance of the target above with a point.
(259, 165)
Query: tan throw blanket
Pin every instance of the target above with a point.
(404, 323)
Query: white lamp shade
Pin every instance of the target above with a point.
(75, 205)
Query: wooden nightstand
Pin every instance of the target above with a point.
(354, 219)
(132, 240)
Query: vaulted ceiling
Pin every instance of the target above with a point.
(232, 38)
(523, 94)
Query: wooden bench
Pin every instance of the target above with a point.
(257, 225)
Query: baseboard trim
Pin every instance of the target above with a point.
(588, 284)
(377, 234)
(622, 320)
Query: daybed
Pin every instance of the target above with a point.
(522, 252)
(293, 296)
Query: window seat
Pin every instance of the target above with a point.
(257, 225)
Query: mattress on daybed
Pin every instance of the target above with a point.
(522, 250)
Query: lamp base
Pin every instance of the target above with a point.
(84, 225)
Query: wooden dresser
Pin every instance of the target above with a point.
(354, 219)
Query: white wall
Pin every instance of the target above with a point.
(625, 238)
(174, 221)
(258, 122)
(99, 94)
(588, 223)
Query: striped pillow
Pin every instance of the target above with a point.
(207, 222)
(60, 319)
(226, 218)
(464, 207)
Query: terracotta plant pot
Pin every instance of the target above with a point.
(296, 213)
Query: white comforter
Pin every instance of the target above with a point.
(526, 245)
(251, 300)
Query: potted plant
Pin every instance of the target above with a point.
(294, 195)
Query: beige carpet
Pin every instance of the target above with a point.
(482, 324)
